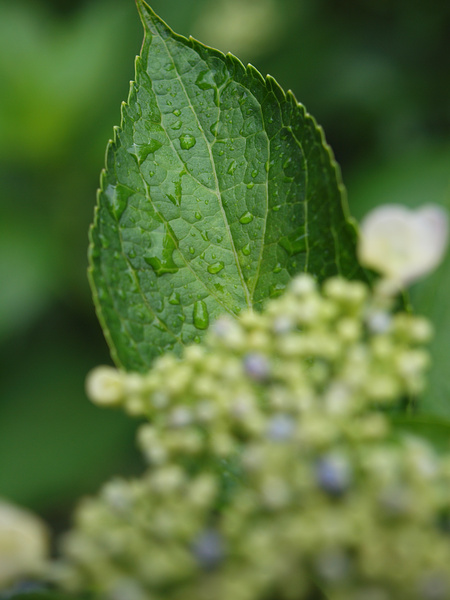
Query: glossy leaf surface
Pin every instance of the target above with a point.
(218, 188)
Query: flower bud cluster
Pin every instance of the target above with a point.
(270, 471)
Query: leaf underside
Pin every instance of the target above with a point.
(218, 188)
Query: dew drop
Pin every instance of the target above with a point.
(200, 315)
(187, 141)
(160, 257)
(177, 125)
(246, 250)
(215, 267)
(221, 152)
(197, 339)
(177, 112)
(247, 217)
(276, 290)
(295, 242)
(104, 241)
(204, 235)
(277, 268)
(205, 80)
(198, 216)
(219, 239)
(232, 167)
(158, 305)
(118, 196)
(250, 186)
(214, 129)
(191, 250)
(141, 151)
(174, 298)
(254, 173)
(276, 208)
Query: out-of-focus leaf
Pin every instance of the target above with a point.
(51, 71)
(54, 444)
(43, 596)
(28, 274)
(434, 429)
(219, 187)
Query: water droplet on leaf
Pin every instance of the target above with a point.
(246, 250)
(215, 267)
(118, 196)
(141, 151)
(104, 241)
(200, 315)
(247, 217)
(295, 242)
(276, 290)
(232, 167)
(187, 141)
(174, 298)
(160, 255)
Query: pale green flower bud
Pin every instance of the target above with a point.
(106, 386)
(24, 545)
(302, 285)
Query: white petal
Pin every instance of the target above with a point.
(403, 244)
(23, 544)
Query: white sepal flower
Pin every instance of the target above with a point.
(403, 244)
(23, 544)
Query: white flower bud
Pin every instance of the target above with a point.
(23, 544)
(403, 244)
(105, 386)
(303, 285)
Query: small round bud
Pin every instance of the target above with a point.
(105, 386)
(208, 549)
(302, 285)
(257, 366)
(23, 544)
(333, 474)
(280, 427)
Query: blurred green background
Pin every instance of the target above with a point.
(375, 74)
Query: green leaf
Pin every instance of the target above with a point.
(435, 430)
(218, 188)
(38, 594)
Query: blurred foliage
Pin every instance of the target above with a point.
(375, 75)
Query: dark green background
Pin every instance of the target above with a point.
(375, 74)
